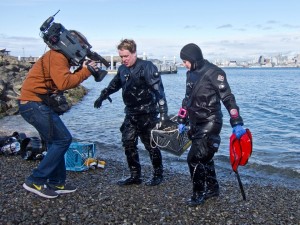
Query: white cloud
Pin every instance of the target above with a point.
(223, 47)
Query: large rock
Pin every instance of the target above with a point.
(12, 74)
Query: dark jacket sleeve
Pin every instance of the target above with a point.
(113, 86)
(221, 85)
(153, 78)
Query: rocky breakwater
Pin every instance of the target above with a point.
(12, 75)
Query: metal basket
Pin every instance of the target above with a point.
(77, 154)
(169, 139)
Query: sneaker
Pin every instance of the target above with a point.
(41, 190)
(63, 189)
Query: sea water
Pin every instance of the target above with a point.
(269, 103)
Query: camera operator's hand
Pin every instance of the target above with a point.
(90, 63)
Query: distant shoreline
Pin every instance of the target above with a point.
(257, 67)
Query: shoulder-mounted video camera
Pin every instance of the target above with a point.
(72, 45)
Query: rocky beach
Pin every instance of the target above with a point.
(99, 200)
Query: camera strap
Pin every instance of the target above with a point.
(50, 119)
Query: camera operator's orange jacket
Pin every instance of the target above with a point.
(57, 76)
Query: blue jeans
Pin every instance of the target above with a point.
(52, 168)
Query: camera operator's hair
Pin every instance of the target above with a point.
(127, 44)
(82, 39)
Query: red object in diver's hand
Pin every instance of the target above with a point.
(240, 149)
(240, 152)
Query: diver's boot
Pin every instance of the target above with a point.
(134, 167)
(133, 179)
(212, 193)
(157, 177)
(212, 189)
(198, 198)
(212, 185)
(197, 171)
(156, 159)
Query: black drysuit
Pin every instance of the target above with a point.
(206, 87)
(144, 98)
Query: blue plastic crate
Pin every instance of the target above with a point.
(77, 154)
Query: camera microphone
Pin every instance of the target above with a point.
(47, 23)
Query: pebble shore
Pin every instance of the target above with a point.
(99, 200)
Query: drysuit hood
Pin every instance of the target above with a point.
(192, 53)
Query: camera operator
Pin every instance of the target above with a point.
(50, 74)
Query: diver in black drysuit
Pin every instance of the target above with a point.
(206, 87)
(144, 98)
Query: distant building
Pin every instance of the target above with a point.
(29, 59)
(295, 60)
(232, 63)
(4, 52)
(261, 60)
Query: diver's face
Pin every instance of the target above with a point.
(187, 64)
(128, 58)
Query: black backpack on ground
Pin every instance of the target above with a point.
(33, 148)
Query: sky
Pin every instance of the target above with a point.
(223, 29)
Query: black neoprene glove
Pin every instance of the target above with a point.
(103, 96)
